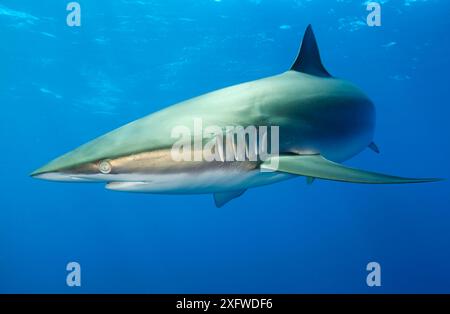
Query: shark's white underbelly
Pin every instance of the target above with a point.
(208, 181)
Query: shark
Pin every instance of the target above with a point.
(323, 121)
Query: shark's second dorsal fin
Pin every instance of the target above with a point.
(308, 60)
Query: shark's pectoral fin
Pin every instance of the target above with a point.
(318, 167)
(222, 198)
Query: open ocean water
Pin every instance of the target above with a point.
(62, 86)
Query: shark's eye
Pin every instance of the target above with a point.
(105, 167)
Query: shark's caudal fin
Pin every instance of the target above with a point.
(316, 166)
(308, 60)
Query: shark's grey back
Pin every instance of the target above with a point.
(315, 113)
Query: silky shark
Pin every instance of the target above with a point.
(322, 122)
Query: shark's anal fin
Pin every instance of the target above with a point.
(222, 198)
(319, 167)
(308, 60)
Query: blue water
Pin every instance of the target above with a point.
(61, 86)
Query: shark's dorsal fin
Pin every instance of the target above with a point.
(308, 60)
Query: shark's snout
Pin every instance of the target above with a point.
(66, 174)
(42, 174)
(67, 168)
(57, 176)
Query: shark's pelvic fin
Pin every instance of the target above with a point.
(222, 198)
(310, 180)
(319, 167)
(374, 147)
(308, 60)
